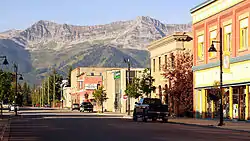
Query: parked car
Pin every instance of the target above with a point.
(75, 107)
(86, 106)
(12, 107)
(150, 108)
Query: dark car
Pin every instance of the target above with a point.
(150, 108)
(86, 106)
(75, 107)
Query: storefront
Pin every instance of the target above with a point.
(231, 20)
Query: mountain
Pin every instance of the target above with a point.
(48, 44)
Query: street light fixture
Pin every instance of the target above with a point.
(213, 49)
(5, 61)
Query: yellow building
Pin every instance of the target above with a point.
(232, 16)
(162, 51)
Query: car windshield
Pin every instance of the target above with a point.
(75, 105)
(86, 103)
(152, 101)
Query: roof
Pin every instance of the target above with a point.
(176, 36)
(202, 5)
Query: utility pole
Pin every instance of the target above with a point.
(48, 89)
(54, 89)
(42, 97)
(128, 62)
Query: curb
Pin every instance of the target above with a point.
(209, 126)
(127, 117)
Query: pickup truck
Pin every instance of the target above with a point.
(150, 108)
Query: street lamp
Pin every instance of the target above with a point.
(5, 61)
(20, 78)
(213, 49)
(128, 62)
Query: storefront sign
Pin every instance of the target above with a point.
(117, 75)
(90, 86)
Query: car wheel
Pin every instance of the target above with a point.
(144, 118)
(164, 120)
(135, 118)
(154, 119)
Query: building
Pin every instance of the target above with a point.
(116, 81)
(162, 51)
(84, 80)
(67, 97)
(233, 17)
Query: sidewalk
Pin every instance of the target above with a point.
(229, 125)
(4, 126)
(232, 125)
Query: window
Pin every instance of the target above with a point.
(228, 38)
(213, 35)
(81, 84)
(201, 47)
(166, 61)
(172, 60)
(244, 34)
(92, 74)
(159, 63)
(154, 65)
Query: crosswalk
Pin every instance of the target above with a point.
(24, 130)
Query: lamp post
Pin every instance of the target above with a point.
(128, 62)
(20, 78)
(213, 49)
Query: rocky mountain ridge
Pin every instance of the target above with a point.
(45, 44)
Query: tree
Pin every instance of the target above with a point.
(69, 75)
(146, 83)
(100, 96)
(178, 72)
(133, 89)
(26, 92)
(6, 79)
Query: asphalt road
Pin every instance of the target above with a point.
(90, 127)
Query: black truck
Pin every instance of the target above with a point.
(150, 108)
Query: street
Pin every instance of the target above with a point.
(70, 126)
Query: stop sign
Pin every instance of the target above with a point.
(125, 97)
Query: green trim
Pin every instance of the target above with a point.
(216, 64)
(202, 5)
(225, 85)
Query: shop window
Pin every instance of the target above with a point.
(244, 34)
(228, 38)
(213, 35)
(201, 50)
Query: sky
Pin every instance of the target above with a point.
(20, 14)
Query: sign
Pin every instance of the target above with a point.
(117, 75)
(125, 96)
(90, 86)
(226, 62)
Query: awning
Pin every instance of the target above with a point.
(225, 85)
